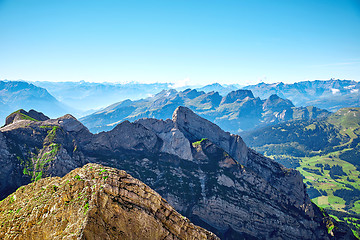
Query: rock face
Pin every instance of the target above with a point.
(93, 202)
(206, 174)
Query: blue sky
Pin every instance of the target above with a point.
(197, 42)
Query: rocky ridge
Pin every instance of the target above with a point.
(93, 202)
(206, 174)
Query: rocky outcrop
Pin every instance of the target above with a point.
(93, 202)
(205, 173)
(196, 128)
(173, 140)
(24, 115)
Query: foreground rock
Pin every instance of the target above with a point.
(206, 174)
(93, 202)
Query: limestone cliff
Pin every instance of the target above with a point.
(206, 174)
(93, 202)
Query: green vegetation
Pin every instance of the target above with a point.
(102, 171)
(52, 133)
(12, 198)
(45, 126)
(36, 161)
(195, 144)
(77, 177)
(327, 154)
(38, 176)
(86, 208)
(26, 117)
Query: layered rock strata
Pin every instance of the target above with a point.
(93, 202)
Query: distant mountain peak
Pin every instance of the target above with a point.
(277, 103)
(215, 85)
(237, 95)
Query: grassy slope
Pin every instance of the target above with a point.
(286, 144)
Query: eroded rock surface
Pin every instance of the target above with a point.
(93, 202)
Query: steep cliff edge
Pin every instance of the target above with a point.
(93, 202)
(206, 174)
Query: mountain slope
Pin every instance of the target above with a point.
(17, 94)
(93, 202)
(208, 175)
(239, 110)
(326, 152)
(331, 94)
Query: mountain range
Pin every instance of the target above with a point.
(330, 94)
(208, 175)
(237, 111)
(87, 96)
(83, 98)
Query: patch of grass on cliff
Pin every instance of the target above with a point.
(356, 234)
(195, 144)
(86, 208)
(35, 166)
(38, 176)
(50, 156)
(102, 171)
(24, 116)
(52, 133)
(77, 177)
(45, 126)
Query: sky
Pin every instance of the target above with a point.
(185, 42)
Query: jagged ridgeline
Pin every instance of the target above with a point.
(206, 174)
(237, 111)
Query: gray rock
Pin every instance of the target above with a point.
(218, 182)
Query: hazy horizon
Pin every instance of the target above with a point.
(183, 84)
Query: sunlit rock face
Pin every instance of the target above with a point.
(93, 202)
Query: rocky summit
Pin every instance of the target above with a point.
(93, 202)
(208, 175)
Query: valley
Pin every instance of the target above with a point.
(325, 151)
